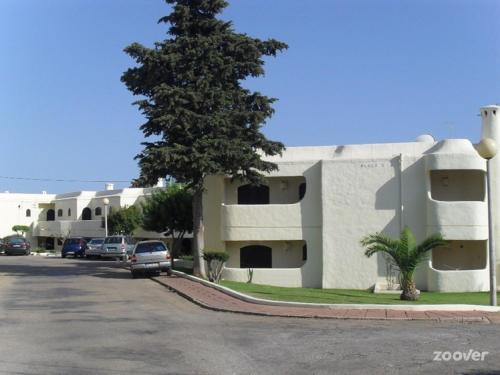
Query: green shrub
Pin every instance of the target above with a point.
(215, 262)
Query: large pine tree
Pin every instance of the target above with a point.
(202, 121)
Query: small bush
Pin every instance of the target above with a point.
(215, 261)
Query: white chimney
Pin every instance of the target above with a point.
(109, 186)
(161, 183)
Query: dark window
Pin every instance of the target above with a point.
(150, 247)
(304, 252)
(302, 190)
(256, 256)
(98, 211)
(110, 209)
(69, 211)
(86, 214)
(59, 213)
(49, 243)
(72, 241)
(113, 240)
(253, 194)
(51, 215)
(28, 213)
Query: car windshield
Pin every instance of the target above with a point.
(16, 241)
(113, 240)
(72, 241)
(149, 247)
(97, 241)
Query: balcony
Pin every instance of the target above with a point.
(458, 220)
(262, 222)
(66, 228)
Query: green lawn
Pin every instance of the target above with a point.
(351, 295)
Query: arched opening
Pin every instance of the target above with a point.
(98, 211)
(28, 213)
(87, 214)
(253, 194)
(59, 213)
(51, 215)
(256, 256)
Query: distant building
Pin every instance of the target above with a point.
(303, 227)
(53, 217)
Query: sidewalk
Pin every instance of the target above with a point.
(214, 299)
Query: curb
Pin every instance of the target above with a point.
(259, 301)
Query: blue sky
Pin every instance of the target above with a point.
(356, 72)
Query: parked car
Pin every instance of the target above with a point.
(1, 246)
(94, 247)
(74, 246)
(117, 247)
(150, 257)
(16, 245)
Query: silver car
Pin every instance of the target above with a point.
(94, 247)
(150, 257)
(117, 247)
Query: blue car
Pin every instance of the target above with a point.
(74, 246)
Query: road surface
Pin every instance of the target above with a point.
(67, 316)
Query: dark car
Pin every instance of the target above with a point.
(74, 246)
(16, 245)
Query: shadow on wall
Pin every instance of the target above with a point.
(405, 194)
(310, 209)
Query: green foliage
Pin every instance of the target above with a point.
(405, 253)
(124, 220)
(22, 229)
(211, 255)
(203, 121)
(169, 210)
(215, 261)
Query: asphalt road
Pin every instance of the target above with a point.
(66, 316)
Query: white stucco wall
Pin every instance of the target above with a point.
(352, 191)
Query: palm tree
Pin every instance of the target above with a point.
(405, 253)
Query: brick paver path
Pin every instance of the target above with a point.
(214, 299)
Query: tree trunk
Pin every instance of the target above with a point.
(198, 234)
(173, 252)
(409, 290)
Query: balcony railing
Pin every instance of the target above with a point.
(459, 220)
(73, 228)
(262, 222)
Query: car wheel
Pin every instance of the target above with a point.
(169, 272)
(135, 275)
(63, 255)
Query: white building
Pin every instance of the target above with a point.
(53, 217)
(304, 226)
